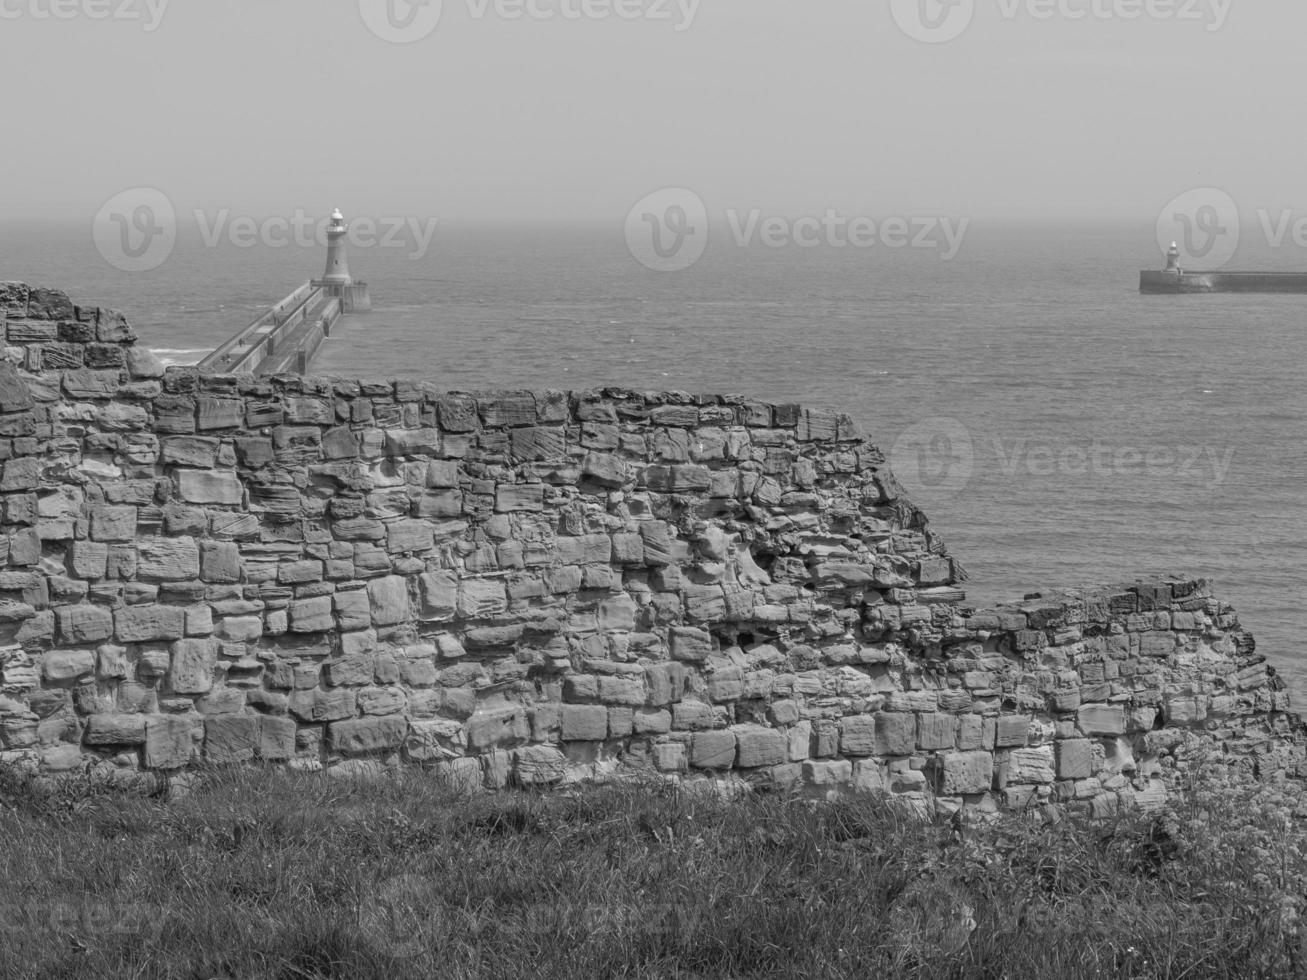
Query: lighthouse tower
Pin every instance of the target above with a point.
(1173, 258)
(337, 273)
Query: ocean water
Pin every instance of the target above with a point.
(1058, 428)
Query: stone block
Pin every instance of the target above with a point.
(896, 733)
(276, 738)
(220, 562)
(965, 773)
(409, 536)
(498, 727)
(192, 665)
(209, 487)
(1075, 759)
(231, 738)
(1035, 765)
(539, 765)
(480, 598)
(583, 722)
(760, 746)
(689, 644)
(1012, 731)
(84, 624)
(367, 734)
(713, 750)
(142, 624)
(319, 704)
(389, 600)
(312, 615)
(858, 735)
(1101, 719)
(108, 729)
(60, 666)
(519, 497)
(167, 559)
(828, 774)
(109, 523)
(168, 742)
(88, 560)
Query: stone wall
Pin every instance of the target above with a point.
(543, 587)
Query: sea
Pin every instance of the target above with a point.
(1058, 428)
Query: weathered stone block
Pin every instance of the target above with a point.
(479, 598)
(168, 558)
(231, 738)
(712, 750)
(191, 670)
(965, 773)
(141, 624)
(503, 726)
(209, 487)
(390, 601)
(276, 738)
(311, 615)
(517, 497)
(107, 729)
(60, 666)
(1101, 719)
(220, 562)
(168, 742)
(1075, 759)
(368, 734)
(583, 722)
(84, 624)
(759, 746)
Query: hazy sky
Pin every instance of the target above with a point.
(1039, 108)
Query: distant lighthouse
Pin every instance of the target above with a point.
(337, 273)
(337, 281)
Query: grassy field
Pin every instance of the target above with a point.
(259, 874)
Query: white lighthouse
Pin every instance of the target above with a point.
(337, 273)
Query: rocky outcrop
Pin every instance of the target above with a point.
(545, 587)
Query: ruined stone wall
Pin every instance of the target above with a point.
(544, 587)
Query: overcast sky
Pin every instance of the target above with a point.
(260, 106)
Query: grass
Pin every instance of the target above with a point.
(266, 874)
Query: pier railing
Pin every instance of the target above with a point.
(266, 337)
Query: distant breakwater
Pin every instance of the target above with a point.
(538, 588)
